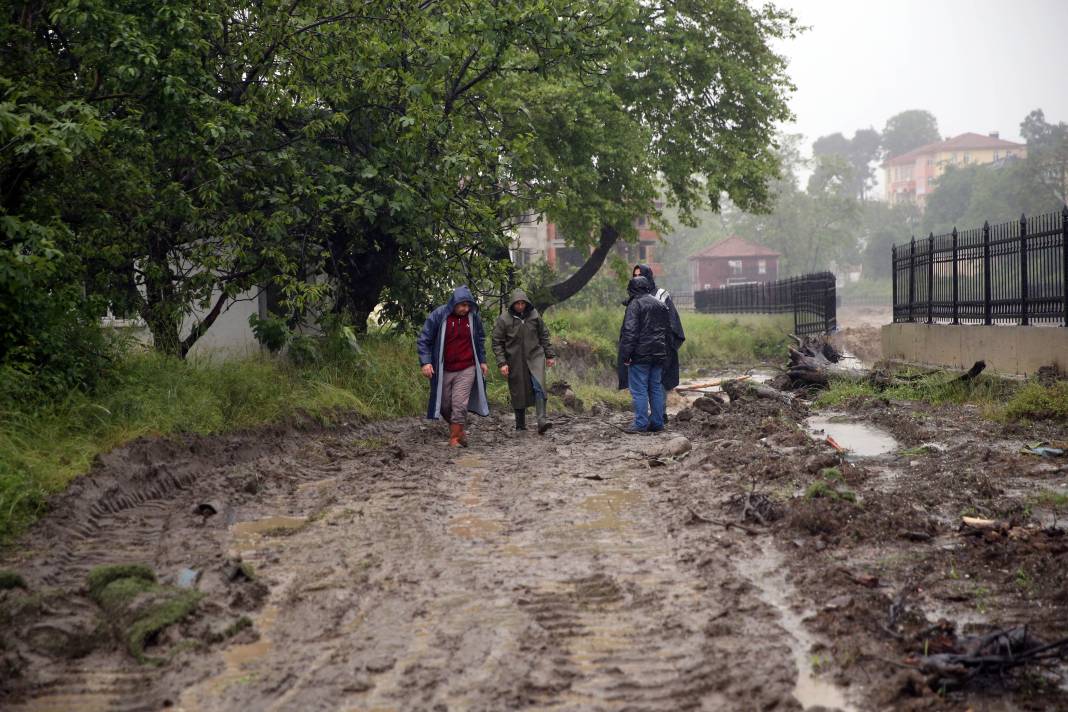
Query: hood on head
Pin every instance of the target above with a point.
(638, 286)
(462, 294)
(647, 272)
(517, 295)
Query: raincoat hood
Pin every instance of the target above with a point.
(638, 286)
(647, 272)
(517, 295)
(462, 294)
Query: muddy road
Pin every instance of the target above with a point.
(370, 568)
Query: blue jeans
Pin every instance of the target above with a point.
(647, 392)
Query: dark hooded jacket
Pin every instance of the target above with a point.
(643, 337)
(677, 335)
(521, 342)
(430, 346)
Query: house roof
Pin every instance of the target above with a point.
(735, 246)
(964, 142)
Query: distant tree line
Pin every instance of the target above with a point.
(833, 219)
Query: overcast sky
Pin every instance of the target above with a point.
(977, 65)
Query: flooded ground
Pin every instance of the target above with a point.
(585, 569)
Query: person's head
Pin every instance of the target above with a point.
(638, 286)
(637, 271)
(519, 306)
(461, 308)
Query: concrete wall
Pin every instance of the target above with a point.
(1006, 349)
(230, 336)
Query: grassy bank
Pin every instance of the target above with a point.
(999, 398)
(45, 444)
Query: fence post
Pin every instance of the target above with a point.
(956, 311)
(893, 283)
(930, 279)
(986, 273)
(1064, 262)
(912, 275)
(1024, 320)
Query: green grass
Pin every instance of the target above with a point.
(999, 398)
(1037, 402)
(711, 340)
(44, 445)
(936, 388)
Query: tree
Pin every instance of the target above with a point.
(858, 152)
(883, 226)
(908, 130)
(1047, 152)
(812, 228)
(689, 106)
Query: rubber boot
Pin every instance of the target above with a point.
(520, 418)
(463, 435)
(543, 422)
(456, 432)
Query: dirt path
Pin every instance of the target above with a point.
(523, 572)
(370, 568)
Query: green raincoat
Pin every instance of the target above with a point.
(522, 342)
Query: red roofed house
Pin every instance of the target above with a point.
(909, 177)
(733, 261)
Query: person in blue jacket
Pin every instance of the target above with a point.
(452, 354)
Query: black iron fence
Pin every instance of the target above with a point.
(811, 298)
(1012, 273)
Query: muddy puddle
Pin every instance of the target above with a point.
(856, 438)
(766, 571)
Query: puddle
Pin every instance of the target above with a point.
(860, 439)
(246, 534)
(472, 527)
(240, 666)
(608, 507)
(470, 461)
(765, 571)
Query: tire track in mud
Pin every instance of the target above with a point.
(526, 572)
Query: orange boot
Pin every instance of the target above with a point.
(456, 435)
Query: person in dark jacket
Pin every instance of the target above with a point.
(643, 350)
(521, 345)
(675, 337)
(452, 354)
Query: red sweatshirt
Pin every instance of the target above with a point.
(459, 353)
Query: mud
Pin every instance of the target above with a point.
(370, 568)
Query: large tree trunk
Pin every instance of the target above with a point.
(159, 309)
(562, 291)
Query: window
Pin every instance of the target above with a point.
(735, 266)
(967, 158)
(641, 221)
(762, 266)
(643, 252)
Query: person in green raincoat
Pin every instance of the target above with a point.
(521, 345)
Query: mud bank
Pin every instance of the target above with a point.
(370, 568)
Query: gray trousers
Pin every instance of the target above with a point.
(456, 394)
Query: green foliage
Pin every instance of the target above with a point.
(10, 580)
(1035, 401)
(100, 577)
(830, 485)
(136, 606)
(1000, 398)
(271, 331)
(857, 154)
(908, 130)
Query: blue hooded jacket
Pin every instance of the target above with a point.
(430, 347)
